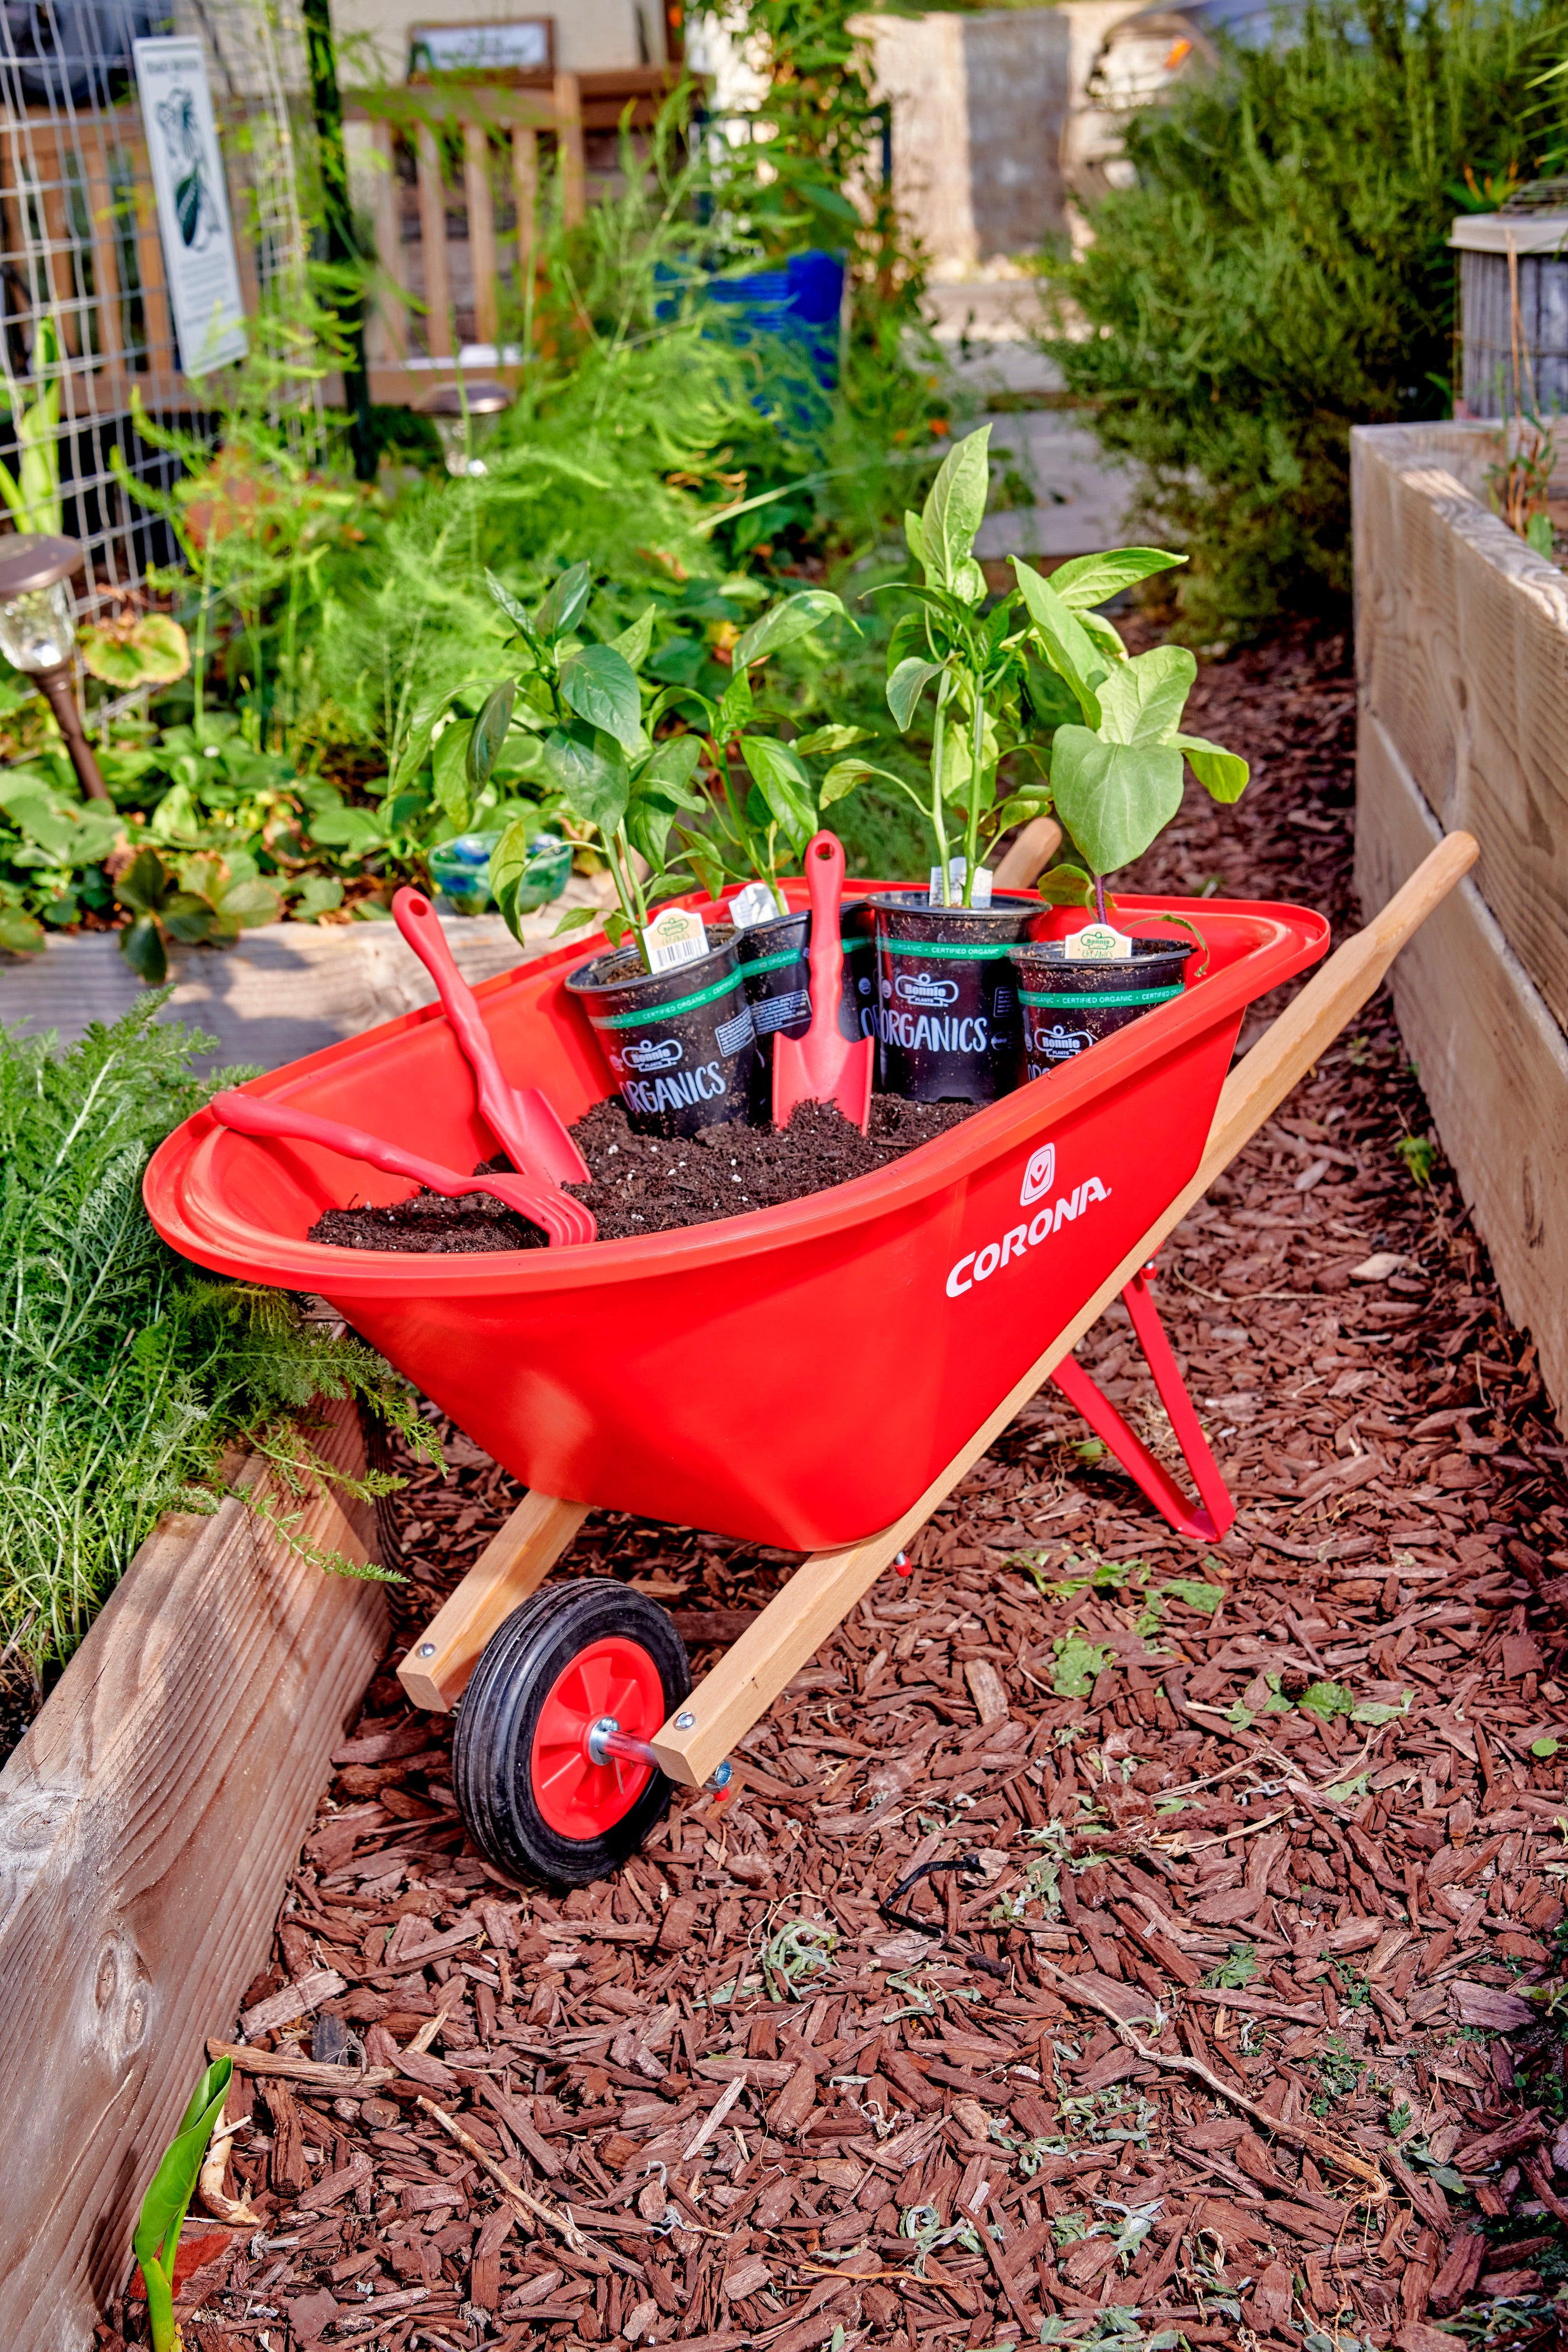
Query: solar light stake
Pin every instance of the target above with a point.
(38, 634)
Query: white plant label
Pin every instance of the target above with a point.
(755, 904)
(1099, 943)
(958, 870)
(675, 937)
(193, 202)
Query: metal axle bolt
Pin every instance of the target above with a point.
(427, 1649)
(685, 1722)
(902, 1564)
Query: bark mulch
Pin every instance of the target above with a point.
(1238, 2030)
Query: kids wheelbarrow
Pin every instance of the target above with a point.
(627, 1374)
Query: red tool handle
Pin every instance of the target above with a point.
(250, 1116)
(418, 921)
(825, 882)
(523, 1120)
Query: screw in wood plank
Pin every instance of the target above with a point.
(427, 1649)
(685, 1723)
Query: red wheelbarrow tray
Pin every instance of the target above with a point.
(794, 1377)
(923, 1214)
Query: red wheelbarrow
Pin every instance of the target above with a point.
(684, 1378)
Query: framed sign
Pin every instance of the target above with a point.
(525, 45)
(193, 202)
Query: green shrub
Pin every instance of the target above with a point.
(1279, 273)
(124, 1371)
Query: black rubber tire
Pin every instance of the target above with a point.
(500, 1713)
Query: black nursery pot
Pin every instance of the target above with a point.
(947, 1015)
(1065, 1008)
(778, 978)
(857, 995)
(681, 1045)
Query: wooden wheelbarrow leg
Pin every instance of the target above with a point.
(825, 1587)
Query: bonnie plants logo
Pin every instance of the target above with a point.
(654, 1054)
(919, 988)
(1040, 1175)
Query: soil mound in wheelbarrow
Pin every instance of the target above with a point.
(647, 1184)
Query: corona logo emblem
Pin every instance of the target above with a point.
(1040, 1175)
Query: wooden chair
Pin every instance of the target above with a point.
(493, 120)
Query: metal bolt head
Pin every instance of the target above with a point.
(723, 1774)
(596, 1738)
(685, 1722)
(427, 1649)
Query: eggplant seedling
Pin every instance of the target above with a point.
(156, 2239)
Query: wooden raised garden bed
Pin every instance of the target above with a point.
(148, 1823)
(1462, 676)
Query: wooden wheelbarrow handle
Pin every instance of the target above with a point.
(822, 1590)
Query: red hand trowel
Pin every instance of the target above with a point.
(824, 1066)
(523, 1120)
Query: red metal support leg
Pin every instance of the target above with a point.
(1204, 1522)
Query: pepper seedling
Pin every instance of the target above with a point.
(1116, 765)
(747, 833)
(989, 700)
(156, 2239)
(582, 702)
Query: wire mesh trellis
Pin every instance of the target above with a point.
(83, 298)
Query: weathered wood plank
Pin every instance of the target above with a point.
(277, 993)
(1492, 1061)
(1462, 658)
(148, 1823)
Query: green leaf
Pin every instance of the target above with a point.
(19, 932)
(588, 770)
(1195, 1592)
(1142, 700)
(1223, 774)
(905, 686)
(1063, 640)
(662, 788)
(254, 904)
(554, 616)
(355, 830)
(1328, 1699)
(956, 507)
(784, 784)
(632, 643)
(915, 536)
(490, 731)
(146, 883)
(1090, 579)
(785, 625)
(1078, 1665)
(671, 764)
(318, 895)
(601, 686)
(1544, 1746)
(1113, 798)
(831, 739)
(1104, 637)
(188, 917)
(511, 606)
(156, 2236)
(154, 652)
(1374, 1711)
(450, 762)
(507, 860)
(1066, 885)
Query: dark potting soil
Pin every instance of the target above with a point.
(650, 1184)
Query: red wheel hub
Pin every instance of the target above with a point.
(578, 1797)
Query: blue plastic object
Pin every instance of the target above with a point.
(800, 303)
(460, 871)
